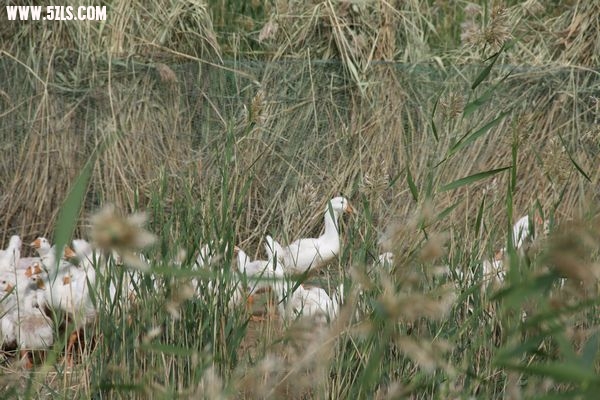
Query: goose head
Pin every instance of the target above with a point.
(33, 269)
(82, 250)
(523, 231)
(15, 242)
(242, 258)
(204, 256)
(340, 205)
(69, 253)
(6, 286)
(42, 245)
(10, 257)
(37, 281)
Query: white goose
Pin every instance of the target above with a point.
(205, 261)
(313, 253)
(8, 304)
(255, 270)
(9, 258)
(202, 261)
(302, 302)
(494, 271)
(94, 266)
(47, 255)
(34, 329)
(522, 232)
(66, 287)
(42, 246)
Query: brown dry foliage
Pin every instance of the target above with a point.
(166, 102)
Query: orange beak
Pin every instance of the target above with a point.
(9, 288)
(499, 255)
(36, 244)
(69, 253)
(66, 280)
(37, 269)
(33, 269)
(349, 209)
(40, 283)
(538, 220)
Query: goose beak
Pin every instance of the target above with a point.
(37, 269)
(349, 209)
(9, 288)
(236, 250)
(29, 271)
(36, 244)
(499, 255)
(69, 253)
(40, 284)
(538, 220)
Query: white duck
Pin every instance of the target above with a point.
(313, 253)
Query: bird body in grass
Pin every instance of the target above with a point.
(494, 270)
(47, 254)
(35, 329)
(256, 271)
(219, 281)
(313, 253)
(65, 286)
(297, 301)
(24, 325)
(8, 306)
(9, 257)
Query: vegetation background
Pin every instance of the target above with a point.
(226, 120)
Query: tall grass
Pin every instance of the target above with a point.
(227, 121)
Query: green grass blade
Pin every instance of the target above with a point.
(432, 120)
(411, 184)
(472, 178)
(581, 171)
(69, 212)
(486, 71)
(589, 354)
(513, 173)
(165, 349)
(446, 211)
(474, 105)
(470, 138)
(479, 217)
(560, 371)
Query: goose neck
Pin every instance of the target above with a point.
(331, 224)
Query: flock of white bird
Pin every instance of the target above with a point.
(32, 287)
